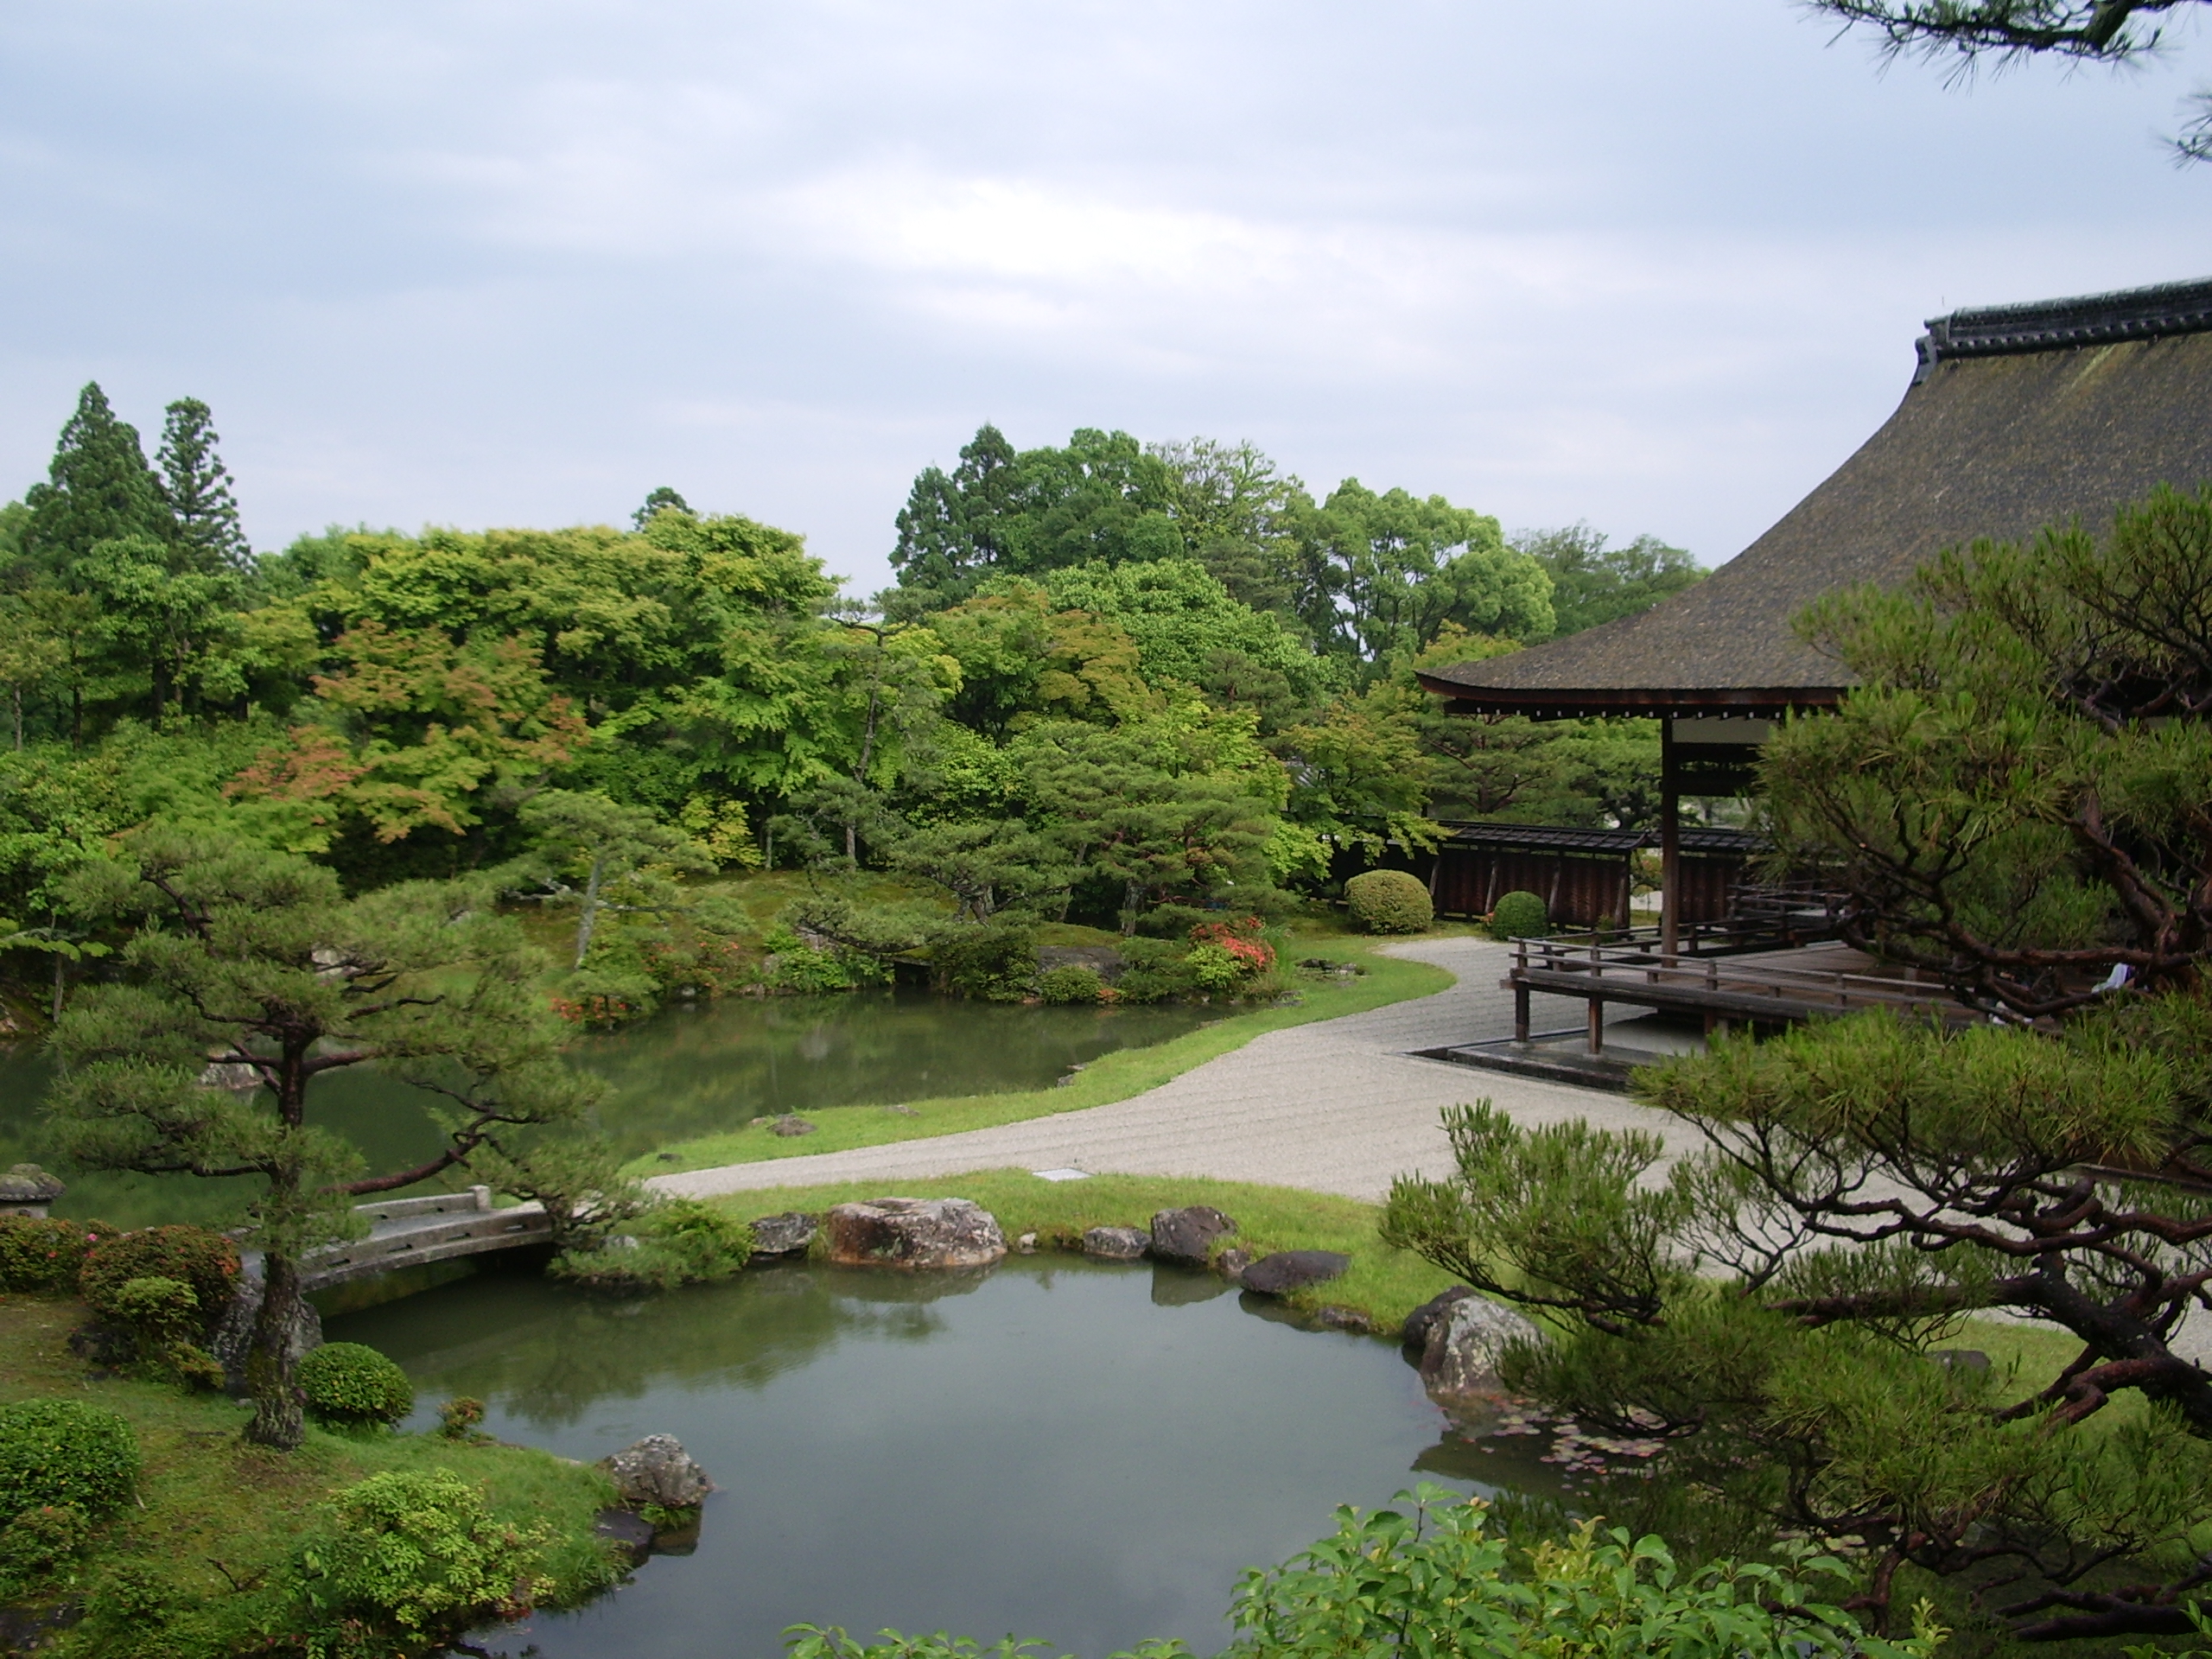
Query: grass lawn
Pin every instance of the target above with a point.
(1113, 1076)
(1383, 1283)
(213, 1509)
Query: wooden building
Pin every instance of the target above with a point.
(2017, 417)
(1584, 877)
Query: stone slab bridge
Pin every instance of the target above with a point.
(419, 1232)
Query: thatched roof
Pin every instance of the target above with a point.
(2019, 416)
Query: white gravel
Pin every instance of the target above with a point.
(1339, 1106)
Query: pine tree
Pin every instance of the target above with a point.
(198, 486)
(99, 489)
(662, 500)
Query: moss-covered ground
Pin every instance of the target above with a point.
(213, 1513)
(1113, 1076)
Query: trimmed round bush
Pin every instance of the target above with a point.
(39, 1254)
(1073, 983)
(351, 1385)
(1388, 902)
(1520, 916)
(65, 1454)
(193, 1256)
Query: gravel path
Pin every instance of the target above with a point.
(1339, 1106)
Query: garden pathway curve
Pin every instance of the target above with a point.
(1338, 1106)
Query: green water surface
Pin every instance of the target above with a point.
(686, 1072)
(1059, 1448)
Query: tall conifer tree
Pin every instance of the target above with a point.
(198, 486)
(99, 489)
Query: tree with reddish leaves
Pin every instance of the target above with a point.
(242, 958)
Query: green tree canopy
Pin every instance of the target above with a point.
(99, 489)
(197, 487)
(1383, 574)
(1593, 583)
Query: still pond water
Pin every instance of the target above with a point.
(682, 1074)
(1060, 1448)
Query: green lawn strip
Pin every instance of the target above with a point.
(205, 1497)
(1113, 1076)
(1383, 1283)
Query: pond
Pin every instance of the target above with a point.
(686, 1072)
(1062, 1448)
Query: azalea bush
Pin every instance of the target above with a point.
(42, 1255)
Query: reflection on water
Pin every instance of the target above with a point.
(685, 1073)
(1061, 1448)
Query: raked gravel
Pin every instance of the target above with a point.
(1339, 1106)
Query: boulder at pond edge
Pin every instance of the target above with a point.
(659, 1471)
(1186, 1236)
(787, 1234)
(1288, 1270)
(917, 1233)
(1115, 1243)
(1459, 1354)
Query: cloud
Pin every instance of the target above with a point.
(480, 261)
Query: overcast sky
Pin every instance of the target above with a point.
(477, 263)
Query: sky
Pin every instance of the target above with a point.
(477, 263)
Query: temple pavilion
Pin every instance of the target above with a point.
(2017, 416)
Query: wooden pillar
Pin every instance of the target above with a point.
(1670, 846)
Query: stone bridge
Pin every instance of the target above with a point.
(416, 1232)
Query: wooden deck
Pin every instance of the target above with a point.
(1719, 987)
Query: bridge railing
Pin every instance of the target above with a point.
(412, 1232)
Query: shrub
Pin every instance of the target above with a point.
(164, 1316)
(206, 1260)
(678, 1242)
(462, 1419)
(65, 1453)
(42, 1256)
(1388, 902)
(159, 1310)
(36, 1542)
(1242, 938)
(1520, 916)
(996, 960)
(1212, 969)
(351, 1385)
(1072, 983)
(798, 966)
(1439, 1571)
(420, 1552)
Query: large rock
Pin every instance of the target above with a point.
(1115, 1243)
(659, 1471)
(1460, 1355)
(914, 1233)
(1415, 1332)
(788, 1234)
(234, 1335)
(1288, 1270)
(1186, 1236)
